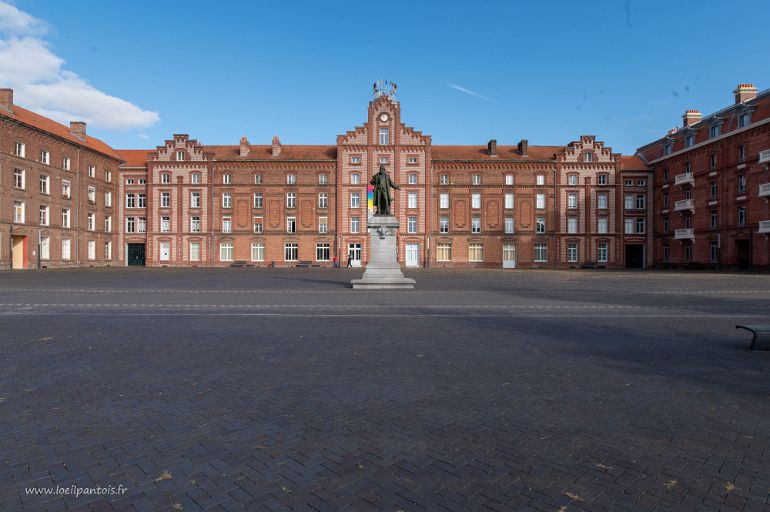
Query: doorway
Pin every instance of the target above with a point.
(743, 251)
(634, 255)
(354, 254)
(135, 255)
(412, 255)
(19, 252)
(509, 255)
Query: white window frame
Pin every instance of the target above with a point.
(257, 251)
(411, 200)
(225, 251)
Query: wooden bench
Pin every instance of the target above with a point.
(304, 264)
(238, 264)
(761, 339)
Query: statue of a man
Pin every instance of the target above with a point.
(382, 185)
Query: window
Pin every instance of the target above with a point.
(665, 198)
(323, 225)
(92, 195)
(601, 179)
(572, 224)
(601, 252)
(108, 176)
(226, 251)
(744, 119)
(572, 179)
(322, 252)
(18, 212)
(640, 202)
(20, 150)
(629, 202)
(411, 225)
(195, 199)
(572, 200)
(509, 200)
(714, 219)
(130, 200)
(412, 160)
(143, 181)
(355, 199)
(258, 200)
(258, 228)
(688, 221)
(714, 131)
(165, 199)
(165, 224)
(141, 224)
(92, 249)
(509, 179)
(541, 253)
(714, 251)
(713, 161)
(741, 153)
(227, 200)
(602, 225)
(667, 149)
(355, 224)
(411, 200)
(509, 224)
(227, 225)
(688, 253)
(629, 226)
(257, 179)
(91, 222)
(687, 167)
(257, 251)
(540, 201)
(43, 216)
(66, 164)
(412, 179)
(66, 249)
(443, 179)
(165, 178)
(107, 250)
(141, 200)
(108, 223)
(355, 159)
(195, 179)
(689, 140)
(475, 201)
(713, 189)
(641, 183)
(227, 179)
(666, 226)
(540, 179)
(291, 224)
(322, 178)
(628, 183)
(443, 224)
(666, 253)
(165, 251)
(742, 184)
(588, 156)
(640, 225)
(19, 178)
(384, 160)
(602, 200)
(540, 225)
(180, 155)
(384, 136)
(476, 225)
(355, 178)
(130, 225)
(45, 157)
(291, 179)
(444, 252)
(572, 251)
(476, 179)
(195, 251)
(475, 252)
(665, 174)
(443, 201)
(291, 200)
(741, 215)
(108, 199)
(291, 252)
(195, 224)
(65, 218)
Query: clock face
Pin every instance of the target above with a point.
(384, 117)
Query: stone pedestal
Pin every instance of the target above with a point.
(383, 271)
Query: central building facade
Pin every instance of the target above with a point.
(189, 204)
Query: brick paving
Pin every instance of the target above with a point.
(274, 389)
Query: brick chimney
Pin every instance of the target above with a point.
(244, 151)
(276, 146)
(691, 117)
(524, 147)
(6, 100)
(78, 129)
(744, 93)
(492, 147)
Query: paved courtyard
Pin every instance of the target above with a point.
(283, 389)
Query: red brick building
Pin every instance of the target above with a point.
(712, 185)
(58, 191)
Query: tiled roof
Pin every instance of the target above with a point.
(632, 162)
(30, 118)
(265, 152)
(503, 153)
(134, 157)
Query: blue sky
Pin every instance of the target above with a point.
(548, 72)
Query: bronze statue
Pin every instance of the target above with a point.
(382, 185)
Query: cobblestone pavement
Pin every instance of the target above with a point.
(283, 389)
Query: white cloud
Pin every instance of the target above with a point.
(36, 74)
(468, 91)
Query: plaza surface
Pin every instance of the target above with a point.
(284, 389)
